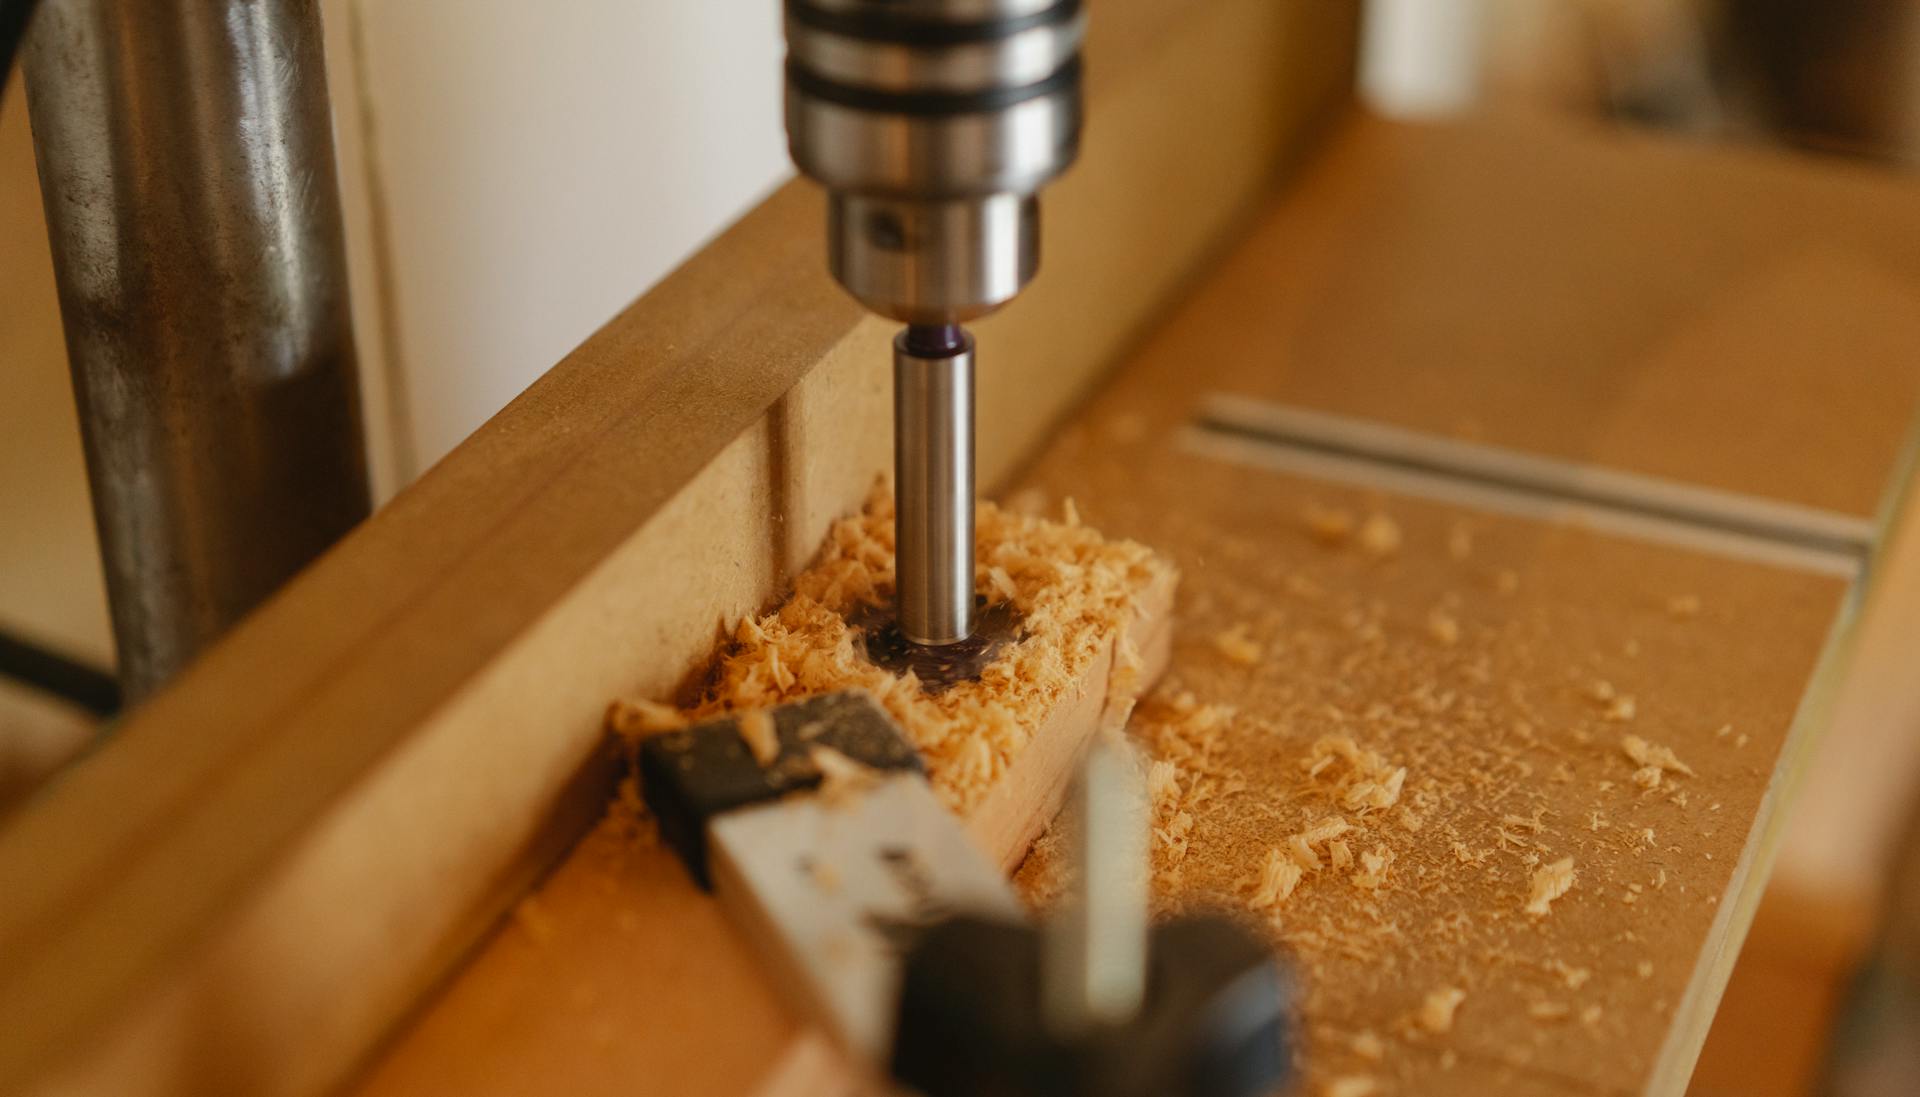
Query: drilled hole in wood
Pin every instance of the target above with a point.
(938, 667)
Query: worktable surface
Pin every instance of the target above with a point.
(1716, 318)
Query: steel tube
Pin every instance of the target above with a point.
(186, 163)
(933, 483)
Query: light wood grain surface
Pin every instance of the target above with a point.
(1724, 317)
(1496, 726)
(1721, 319)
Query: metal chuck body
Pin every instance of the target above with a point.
(932, 124)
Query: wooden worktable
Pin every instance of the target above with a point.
(1712, 318)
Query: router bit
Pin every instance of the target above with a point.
(933, 124)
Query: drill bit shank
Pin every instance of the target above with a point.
(933, 482)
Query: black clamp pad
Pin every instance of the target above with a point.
(688, 777)
(1215, 1022)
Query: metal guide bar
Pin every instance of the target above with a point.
(1288, 439)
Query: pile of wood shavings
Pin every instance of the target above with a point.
(1073, 590)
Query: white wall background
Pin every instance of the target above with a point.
(519, 172)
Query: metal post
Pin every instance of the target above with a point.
(186, 163)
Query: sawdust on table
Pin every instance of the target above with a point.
(1361, 829)
(1074, 591)
(758, 732)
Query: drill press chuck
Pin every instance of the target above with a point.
(933, 124)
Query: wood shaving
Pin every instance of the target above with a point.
(1303, 854)
(1548, 1011)
(1368, 1045)
(1532, 825)
(1278, 877)
(1459, 541)
(1234, 644)
(1683, 605)
(1620, 709)
(842, 779)
(1377, 795)
(1443, 628)
(1373, 868)
(1379, 535)
(1163, 783)
(758, 732)
(1340, 855)
(1333, 826)
(1436, 1012)
(1327, 525)
(1550, 882)
(1350, 1085)
(1646, 754)
(1366, 782)
(1574, 977)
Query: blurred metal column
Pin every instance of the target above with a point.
(186, 163)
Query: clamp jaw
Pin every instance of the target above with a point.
(890, 928)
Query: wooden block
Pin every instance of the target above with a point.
(1024, 800)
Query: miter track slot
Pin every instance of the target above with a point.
(1334, 447)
